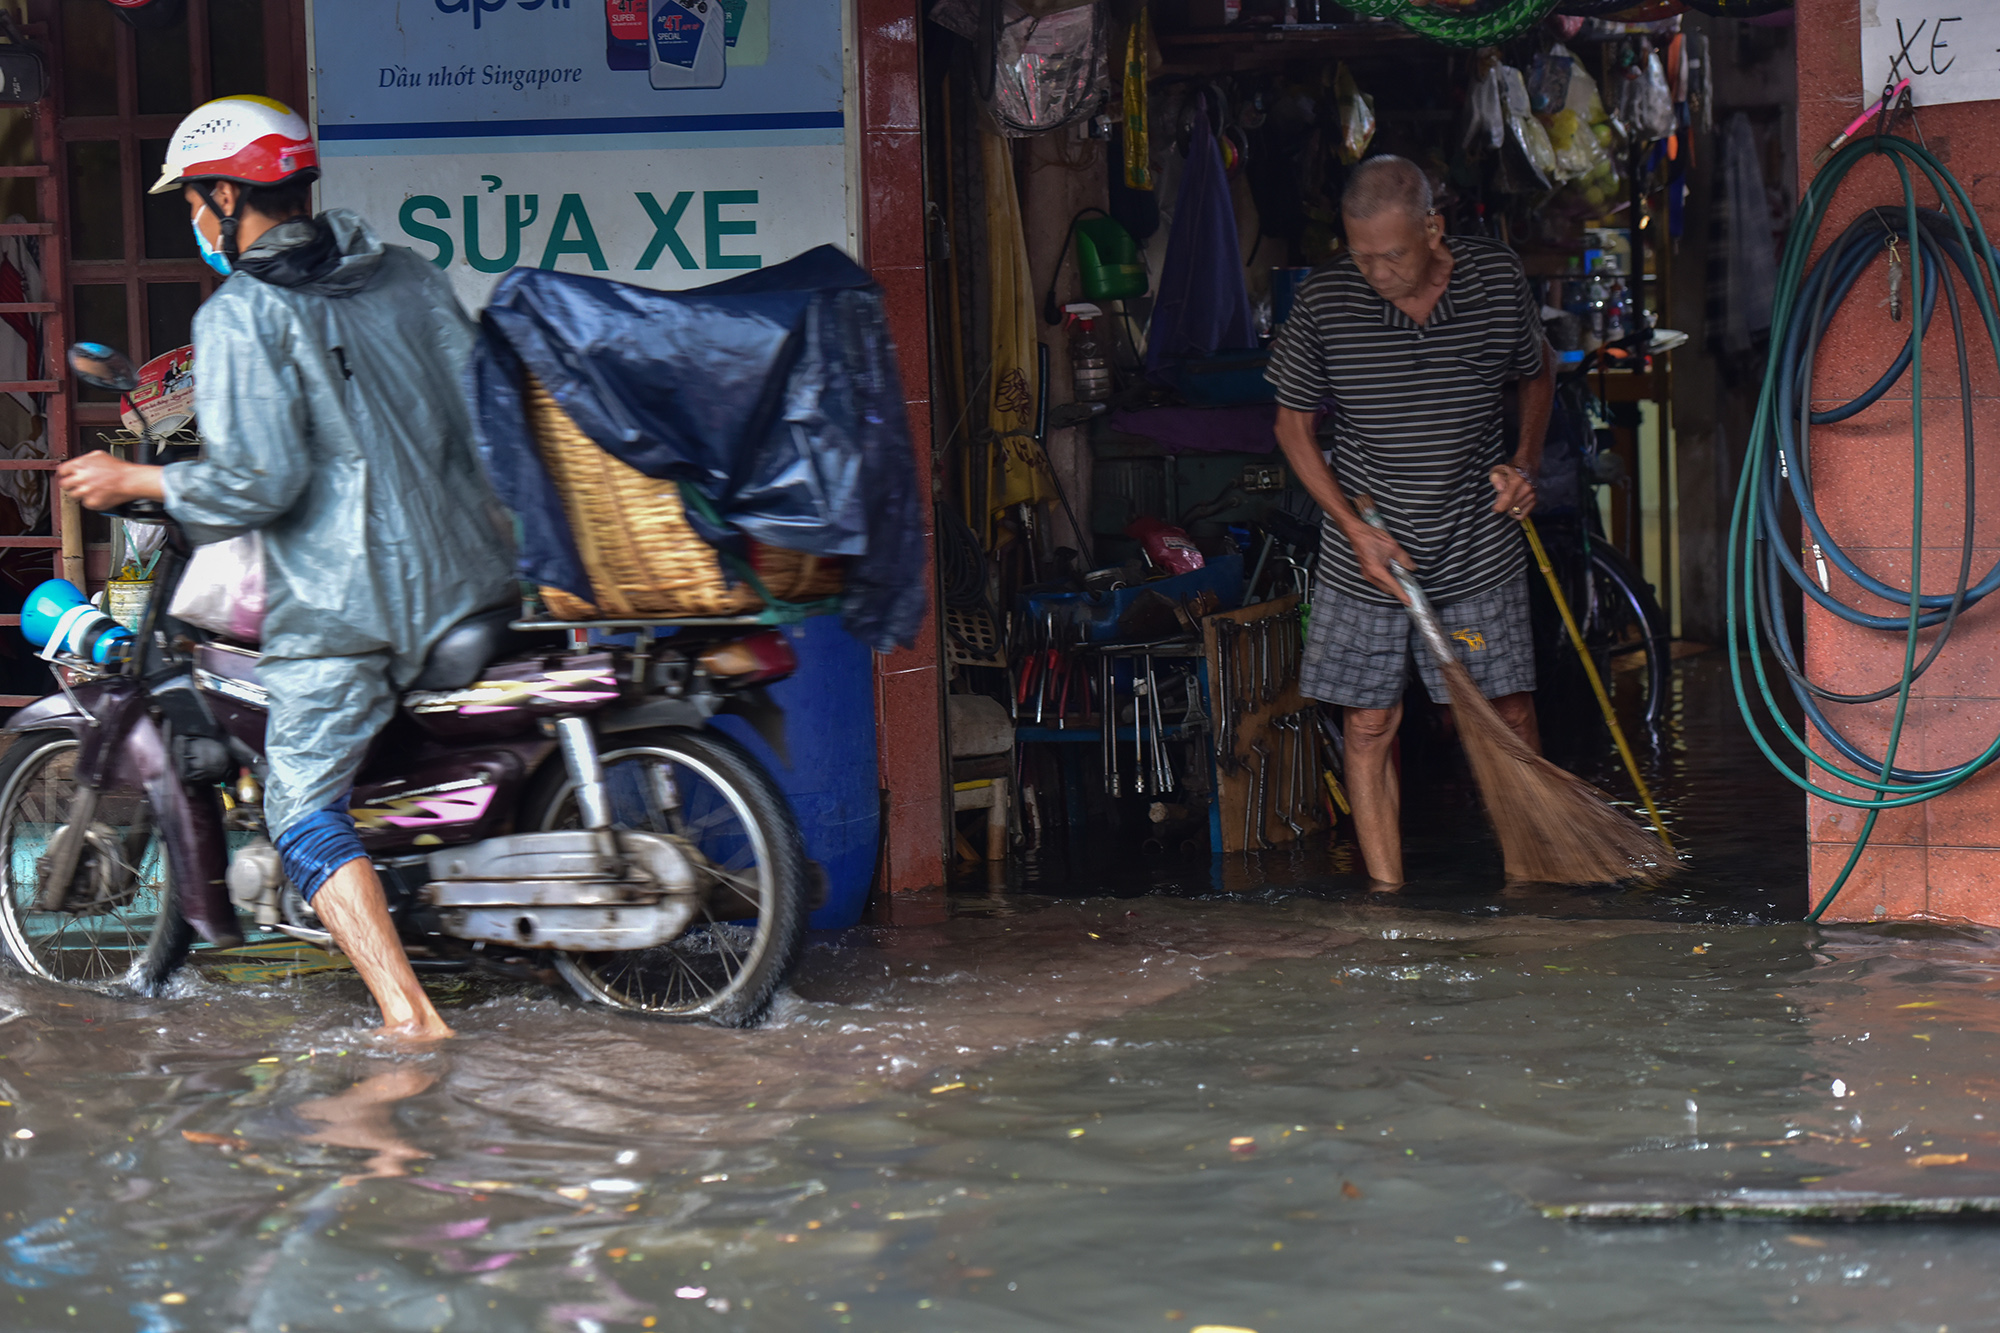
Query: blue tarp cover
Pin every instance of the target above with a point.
(774, 395)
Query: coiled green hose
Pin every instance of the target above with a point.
(1938, 244)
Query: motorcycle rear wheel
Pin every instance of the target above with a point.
(140, 941)
(705, 788)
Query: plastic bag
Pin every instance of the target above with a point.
(1580, 133)
(1548, 80)
(1526, 132)
(1592, 141)
(1357, 117)
(222, 590)
(1048, 69)
(1485, 121)
(1644, 103)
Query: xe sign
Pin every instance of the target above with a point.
(1948, 49)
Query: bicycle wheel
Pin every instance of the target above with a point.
(706, 790)
(1625, 629)
(120, 923)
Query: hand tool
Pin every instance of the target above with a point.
(1305, 792)
(1281, 799)
(1263, 754)
(1552, 826)
(1273, 672)
(1105, 754)
(1139, 735)
(1224, 738)
(1249, 807)
(1107, 716)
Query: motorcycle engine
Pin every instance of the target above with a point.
(256, 880)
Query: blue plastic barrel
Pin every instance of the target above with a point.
(827, 769)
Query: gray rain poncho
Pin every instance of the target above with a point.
(328, 393)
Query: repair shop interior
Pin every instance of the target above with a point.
(1126, 199)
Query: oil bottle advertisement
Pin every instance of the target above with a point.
(669, 143)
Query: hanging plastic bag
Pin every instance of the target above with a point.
(1485, 120)
(222, 590)
(1578, 130)
(1547, 78)
(1357, 116)
(1592, 142)
(1525, 132)
(1644, 102)
(1048, 68)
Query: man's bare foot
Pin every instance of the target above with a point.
(417, 1030)
(1384, 886)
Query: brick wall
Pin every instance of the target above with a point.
(909, 691)
(1941, 858)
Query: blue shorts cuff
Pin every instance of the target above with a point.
(316, 846)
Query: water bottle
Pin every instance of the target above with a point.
(1090, 368)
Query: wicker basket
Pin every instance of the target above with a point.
(642, 556)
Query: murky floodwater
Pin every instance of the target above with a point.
(1291, 1107)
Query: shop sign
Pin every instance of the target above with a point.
(1948, 49)
(664, 142)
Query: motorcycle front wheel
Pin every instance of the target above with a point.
(123, 924)
(707, 790)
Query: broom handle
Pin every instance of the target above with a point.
(1419, 606)
(1596, 681)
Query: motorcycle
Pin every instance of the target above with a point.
(541, 797)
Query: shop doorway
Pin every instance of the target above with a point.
(1631, 218)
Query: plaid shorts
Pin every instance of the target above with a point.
(1358, 653)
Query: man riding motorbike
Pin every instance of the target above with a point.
(328, 394)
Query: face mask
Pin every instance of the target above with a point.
(214, 258)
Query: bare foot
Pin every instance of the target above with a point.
(1384, 886)
(416, 1030)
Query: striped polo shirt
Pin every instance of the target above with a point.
(1415, 413)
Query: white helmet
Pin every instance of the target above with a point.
(249, 140)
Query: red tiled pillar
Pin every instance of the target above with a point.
(908, 684)
(1941, 858)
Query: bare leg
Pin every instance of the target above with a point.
(1518, 711)
(353, 908)
(1376, 791)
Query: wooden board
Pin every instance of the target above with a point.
(1238, 731)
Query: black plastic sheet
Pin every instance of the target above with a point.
(773, 395)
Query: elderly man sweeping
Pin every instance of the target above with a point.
(1408, 340)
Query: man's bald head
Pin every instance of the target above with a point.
(1386, 184)
(1392, 235)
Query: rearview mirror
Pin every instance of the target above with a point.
(103, 367)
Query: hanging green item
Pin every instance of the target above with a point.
(1138, 148)
(1108, 261)
(1483, 24)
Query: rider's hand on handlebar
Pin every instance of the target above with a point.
(99, 481)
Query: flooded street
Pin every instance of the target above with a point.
(1098, 1099)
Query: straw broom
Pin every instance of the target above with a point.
(1553, 826)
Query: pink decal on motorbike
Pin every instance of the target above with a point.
(459, 807)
